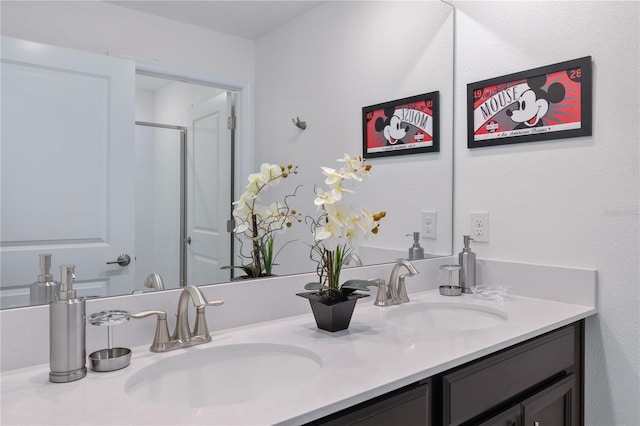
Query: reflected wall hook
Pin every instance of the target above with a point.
(299, 124)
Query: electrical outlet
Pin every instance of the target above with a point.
(480, 226)
(429, 228)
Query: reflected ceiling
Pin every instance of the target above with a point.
(247, 19)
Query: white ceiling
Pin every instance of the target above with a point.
(247, 19)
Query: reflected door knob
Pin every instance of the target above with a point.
(123, 260)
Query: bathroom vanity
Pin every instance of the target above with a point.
(497, 363)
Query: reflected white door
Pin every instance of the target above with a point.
(66, 165)
(209, 191)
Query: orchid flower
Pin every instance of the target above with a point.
(339, 230)
(256, 223)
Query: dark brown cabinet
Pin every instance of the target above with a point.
(409, 406)
(552, 406)
(526, 378)
(509, 417)
(538, 382)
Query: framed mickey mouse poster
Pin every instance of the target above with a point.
(404, 126)
(549, 102)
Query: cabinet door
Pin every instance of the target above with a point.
(553, 406)
(509, 417)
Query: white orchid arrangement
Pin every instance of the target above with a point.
(340, 228)
(258, 223)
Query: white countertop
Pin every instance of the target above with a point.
(373, 357)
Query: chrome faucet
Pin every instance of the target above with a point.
(352, 256)
(154, 280)
(397, 288)
(182, 336)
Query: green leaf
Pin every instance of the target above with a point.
(359, 284)
(246, 268)
(313, 286)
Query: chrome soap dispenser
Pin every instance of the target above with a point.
(415, 251)
(67, 319)
(467, 262)
(44, 290)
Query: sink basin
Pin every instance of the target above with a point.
(223, 375)
(447, 316)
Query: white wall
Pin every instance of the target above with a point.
(324, 67)
(569, 201)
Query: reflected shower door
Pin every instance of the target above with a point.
(160, 202)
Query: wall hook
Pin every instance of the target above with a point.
(299, 124)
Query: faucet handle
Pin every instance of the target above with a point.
(402, 289)
(381, 297)
(161, 338)
(200, 328)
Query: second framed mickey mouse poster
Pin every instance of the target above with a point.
(550, 102)
(404, 126)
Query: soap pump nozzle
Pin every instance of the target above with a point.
(44, 289)
(467, 241)
(415, 251)
(67, 275)
(45, 269)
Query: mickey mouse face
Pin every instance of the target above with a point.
(530, 109)
(533, 104)
(391, 127)
(394, 132)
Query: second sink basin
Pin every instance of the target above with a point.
(223, 375)
(447, 316)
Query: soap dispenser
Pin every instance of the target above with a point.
(467, 262)
(67, 316)
(44, 290)
(415, 251)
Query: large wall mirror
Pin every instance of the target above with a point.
(172, 191)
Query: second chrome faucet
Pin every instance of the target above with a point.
(182, 336)
(395, 292)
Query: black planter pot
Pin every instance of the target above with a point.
(332, 314)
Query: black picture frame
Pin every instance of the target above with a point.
(403, 126)
(545, 103)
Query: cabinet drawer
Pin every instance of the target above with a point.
(407, 407)
(474, 389)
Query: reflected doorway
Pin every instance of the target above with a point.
(184, 182)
